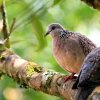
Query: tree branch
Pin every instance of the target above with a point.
(34, 76)
(30, 74)
(93, 3)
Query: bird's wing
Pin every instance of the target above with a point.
(90, 71)
(86, 44)
(83, 76)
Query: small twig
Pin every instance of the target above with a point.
(12, 26)
(5, 24)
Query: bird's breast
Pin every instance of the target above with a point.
(66, 55)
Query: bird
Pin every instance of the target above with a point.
(69, 48)
(89, 76)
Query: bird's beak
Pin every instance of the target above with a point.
(47, 33)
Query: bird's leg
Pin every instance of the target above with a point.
(66, 78)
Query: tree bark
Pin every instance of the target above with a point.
(93, 3)
(29, 74)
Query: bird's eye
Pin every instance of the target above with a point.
(53, 27)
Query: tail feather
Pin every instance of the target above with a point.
(83, 93)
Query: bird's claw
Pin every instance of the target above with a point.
(70, 77)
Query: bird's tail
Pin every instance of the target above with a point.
(83, 93)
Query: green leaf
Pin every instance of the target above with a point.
(56, 2)
(3, 0)
(0, 2)
(39, 32)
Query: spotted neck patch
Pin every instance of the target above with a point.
(65, 33)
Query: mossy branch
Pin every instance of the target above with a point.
(31, 75)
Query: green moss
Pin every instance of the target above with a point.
(32, 68)
(38, 69)
(2, 58)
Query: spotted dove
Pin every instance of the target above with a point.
(69, 48)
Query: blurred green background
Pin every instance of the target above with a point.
(27, 38)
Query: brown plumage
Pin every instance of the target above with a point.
(69, 48)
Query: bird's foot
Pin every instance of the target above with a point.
(66, 78)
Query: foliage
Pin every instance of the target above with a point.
(27, 38)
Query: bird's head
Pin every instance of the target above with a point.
(54, 29)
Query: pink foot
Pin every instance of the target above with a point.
(66, 78)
